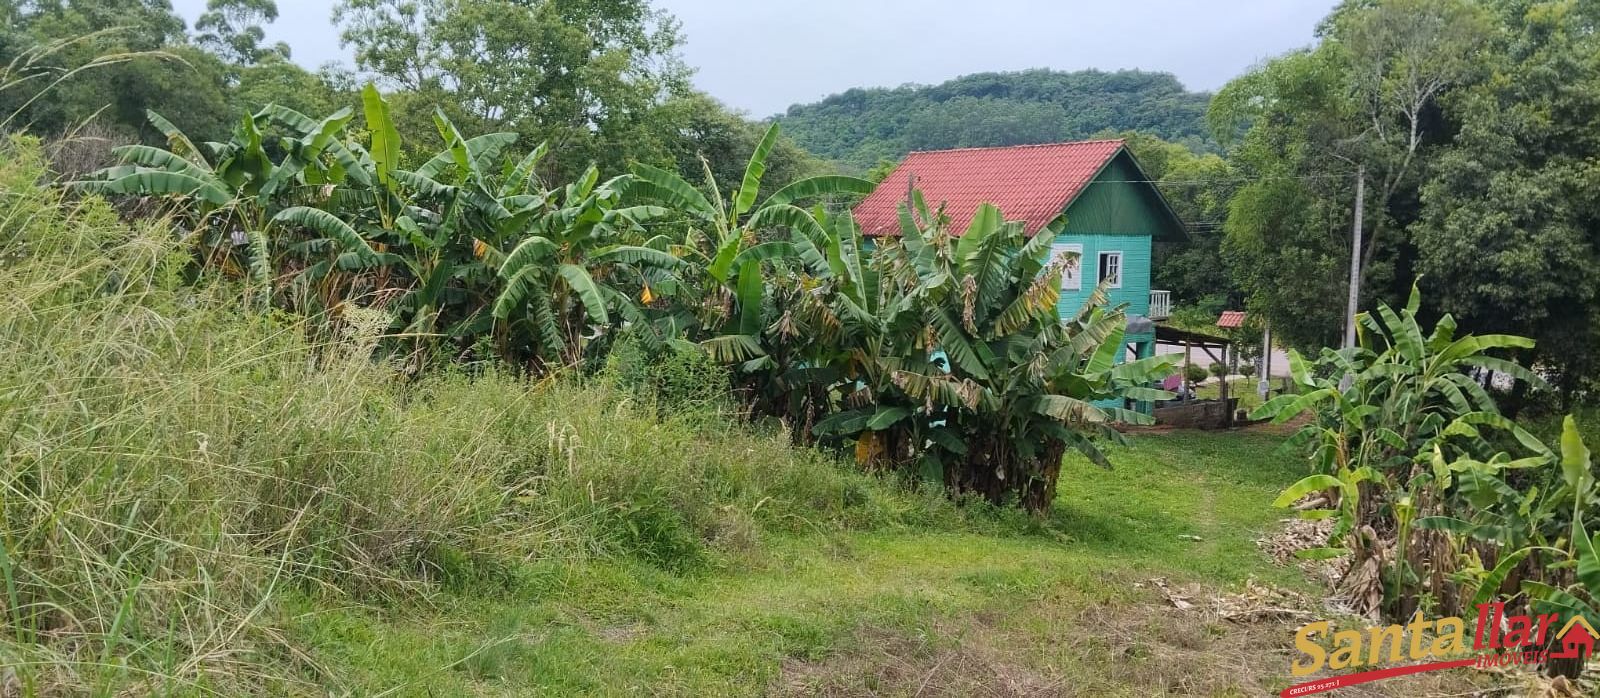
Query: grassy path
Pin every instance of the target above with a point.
(1061, 607)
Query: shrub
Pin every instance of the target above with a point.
(1200, 316)
(678, 378)
(1218, 369)
(1195, 373)
(979, 385)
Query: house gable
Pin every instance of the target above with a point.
(1119, 201)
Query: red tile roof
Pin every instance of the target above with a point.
(1231, 319)
(1030, 183)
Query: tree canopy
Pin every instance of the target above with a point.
(1472, 124)
(583, 75)
(145, 59)
(599, 80)
(1509, 230)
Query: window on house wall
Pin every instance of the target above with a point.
(1072, 275)
(1111, 269)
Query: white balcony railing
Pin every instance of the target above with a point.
(1160, 305)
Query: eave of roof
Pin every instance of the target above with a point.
(1029, 183)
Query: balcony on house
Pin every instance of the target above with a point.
(1160, 305)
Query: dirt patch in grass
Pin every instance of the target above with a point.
(1169, 640)
(956, 657)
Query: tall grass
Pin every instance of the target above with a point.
(174, 462)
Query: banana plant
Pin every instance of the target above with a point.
(439, 229)
(1486, 503)
(965, 370)
(1572, 588)
(830, 312)
(725, 247)
(1409, 450)
(1402, 389)
(454, 215)
(565, 283)
(232, 197)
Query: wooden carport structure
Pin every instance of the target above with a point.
(1218, 348)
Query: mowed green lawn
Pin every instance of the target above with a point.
(1010, 607)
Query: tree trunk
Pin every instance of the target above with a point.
(994, 473)
(1039, 492)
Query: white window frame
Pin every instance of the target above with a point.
(1072, 276)
(1101, 267)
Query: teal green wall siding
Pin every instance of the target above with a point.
(1115, 214)
(1135, 289)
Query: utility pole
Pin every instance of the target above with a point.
(1222, 388)
(1264, 385)
(1355, 258)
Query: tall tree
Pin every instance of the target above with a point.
(233, 29)
(1401, 56)
(143, 25)
(1509, 237)
(1369, 96)
(276, 80)
(186, 82)
(697, 126)
(583, 75)
(1286, 232)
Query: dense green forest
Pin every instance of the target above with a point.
(864, 126)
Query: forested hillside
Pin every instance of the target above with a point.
(864, 126)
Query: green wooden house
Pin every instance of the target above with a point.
(1114, 214)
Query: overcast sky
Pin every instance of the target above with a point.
(761, 56)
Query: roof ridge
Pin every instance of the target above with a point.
(1091, 141)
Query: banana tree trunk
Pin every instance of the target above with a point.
(993, 471)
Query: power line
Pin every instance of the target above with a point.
(1093, 181)
(1215, 181)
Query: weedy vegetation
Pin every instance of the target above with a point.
(203, 496)
(181, 464)
(1441, 502)
(309, 410)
